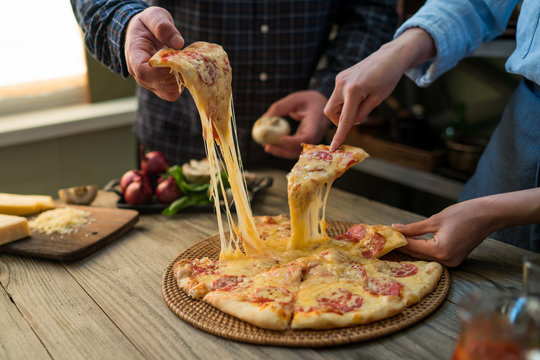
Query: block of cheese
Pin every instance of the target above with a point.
(13, 228)
(13, 204)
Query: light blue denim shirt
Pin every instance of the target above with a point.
(459, 27)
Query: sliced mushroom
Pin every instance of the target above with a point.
(269, 129)
(79, 195)
(197, 171)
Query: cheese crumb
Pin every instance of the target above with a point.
(62, 220)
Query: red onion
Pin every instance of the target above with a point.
(138, 193)
(131, 176)
(154, 163)
(167, 191)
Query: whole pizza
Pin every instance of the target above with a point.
(279, 272)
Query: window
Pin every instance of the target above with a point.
(35, 35)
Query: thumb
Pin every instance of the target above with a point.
(160, 23)
(416, 228)
(281, 107)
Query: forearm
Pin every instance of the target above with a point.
(511, 209)
(414, 47)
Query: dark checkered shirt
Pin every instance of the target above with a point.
(274, 47)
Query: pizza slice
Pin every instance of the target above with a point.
(197, 277)
(308, 185)
(265, 300)
(417, 278)
(323, 303)
(205, 70)
(372, 241)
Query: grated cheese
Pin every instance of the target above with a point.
(61, 220)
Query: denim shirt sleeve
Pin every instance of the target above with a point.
(104, 25)
(458, 28)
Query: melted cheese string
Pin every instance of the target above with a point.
(225, 127)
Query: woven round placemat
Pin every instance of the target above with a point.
(214, 321)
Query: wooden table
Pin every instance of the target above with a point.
(108, 305)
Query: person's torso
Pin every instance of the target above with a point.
(273, 48)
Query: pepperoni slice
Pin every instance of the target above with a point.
(354, 234)
(397, 269)
(380, 286)
(373, 245)
(226, 283)
(199, 269)
(272, 293)
(340, 301)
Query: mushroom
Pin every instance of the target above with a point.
(269, 129)
(197, 171)
(79, 195)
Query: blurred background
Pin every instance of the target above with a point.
(65, 119)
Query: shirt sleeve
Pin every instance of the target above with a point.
(458, 28)
(363, 26)
(104, 26)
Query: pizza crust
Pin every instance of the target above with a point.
(268, 316)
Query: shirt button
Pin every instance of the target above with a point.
(263, 76)
(265, 28)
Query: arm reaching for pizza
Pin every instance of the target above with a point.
(304, 106)
(147, 32)
(365, 85)
(458, 229)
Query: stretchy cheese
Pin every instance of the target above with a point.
(13, 228)
(308, 185)
(205, 70)
(12, 204)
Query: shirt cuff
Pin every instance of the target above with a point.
(324, 84)
(116, 31)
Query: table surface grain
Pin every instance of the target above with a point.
(108, 305)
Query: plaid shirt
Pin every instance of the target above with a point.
(273, 46)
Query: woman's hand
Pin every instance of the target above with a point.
(360, 88)
(148, 32)
(456, 230)
(459, 228)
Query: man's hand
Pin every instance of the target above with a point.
(148, 32)
(304, 106)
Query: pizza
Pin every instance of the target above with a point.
(335, 283)
(279, 272)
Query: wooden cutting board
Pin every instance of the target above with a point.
(106, 226)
